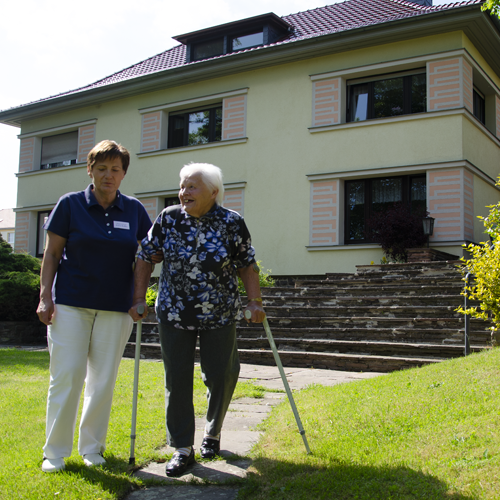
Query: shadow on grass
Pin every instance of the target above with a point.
(10, 356)
(343, 481)
(114, 477)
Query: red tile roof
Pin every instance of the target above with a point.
(345, 16)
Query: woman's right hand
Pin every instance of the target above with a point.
(45, 311)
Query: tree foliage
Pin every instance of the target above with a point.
(396, 228)
(484, 265)
(19, 284)
(493, 6)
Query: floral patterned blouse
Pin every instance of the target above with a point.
(198, 286)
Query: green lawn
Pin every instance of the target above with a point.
(428, 433)
(23, 392)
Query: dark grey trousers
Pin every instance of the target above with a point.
(220, 367)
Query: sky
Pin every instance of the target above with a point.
(52, 46)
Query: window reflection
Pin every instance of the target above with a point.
(366, 197)
(387, 97)
(244, 42)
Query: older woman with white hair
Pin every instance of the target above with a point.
(205, 248)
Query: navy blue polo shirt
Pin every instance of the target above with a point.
(96, 271)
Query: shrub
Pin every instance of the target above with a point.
(19, 284)
(265, 279)
(396, 229)
(151, 294)
(485, 268)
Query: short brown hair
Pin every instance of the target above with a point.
(106, 150)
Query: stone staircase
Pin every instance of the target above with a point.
(382, 318)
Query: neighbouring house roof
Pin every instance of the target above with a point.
(332, 19)
(7, 218)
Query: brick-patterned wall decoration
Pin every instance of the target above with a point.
(324, 213)
(151, 132)
(27, 155)
(151, 206)
(467, 86)
(234, 110)
(86, 141)
(450, 84)
(498, 116)
(450, 198)
(233, 199)
(468, 205)
(326, 102)
(22, 232)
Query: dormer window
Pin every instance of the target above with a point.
(248, 41)
(205, 50)
(233, 37)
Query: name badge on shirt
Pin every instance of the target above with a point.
(121, 225)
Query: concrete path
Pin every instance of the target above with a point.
(239, 434)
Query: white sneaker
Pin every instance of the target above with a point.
(53, 464)
(93, 459)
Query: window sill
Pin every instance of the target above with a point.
(50, 170)
(381, 121)
(369, 246)
(192, 148)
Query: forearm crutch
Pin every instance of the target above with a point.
(248, 315)
(140, 310)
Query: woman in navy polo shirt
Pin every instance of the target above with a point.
(92, 239)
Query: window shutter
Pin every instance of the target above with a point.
(59, 148)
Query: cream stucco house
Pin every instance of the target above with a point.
(314, 118)
(8, 225)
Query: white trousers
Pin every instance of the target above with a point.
(85, 346)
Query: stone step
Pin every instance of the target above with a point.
(438, 267)
(367, 322)
(402, 334)
(441, 336)
(377, 281)
(333, 361)
(356, 310)
(409, 291)
(320, 301)
(360, 348)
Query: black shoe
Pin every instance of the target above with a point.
(210, 448)
(179, 463)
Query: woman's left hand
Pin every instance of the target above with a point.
(257, 311)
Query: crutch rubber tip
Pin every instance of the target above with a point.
(131, 461)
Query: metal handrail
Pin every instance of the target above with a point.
(467, 317)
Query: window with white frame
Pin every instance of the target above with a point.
(386, 96)
(10, 238)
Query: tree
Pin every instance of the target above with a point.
(484, 265)
(397, 228)
(19, 284)
(493, 6)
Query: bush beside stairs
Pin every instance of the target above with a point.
(381, 318)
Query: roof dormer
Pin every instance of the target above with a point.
(233, 37)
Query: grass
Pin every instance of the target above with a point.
(428, 433)
(23, 391)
